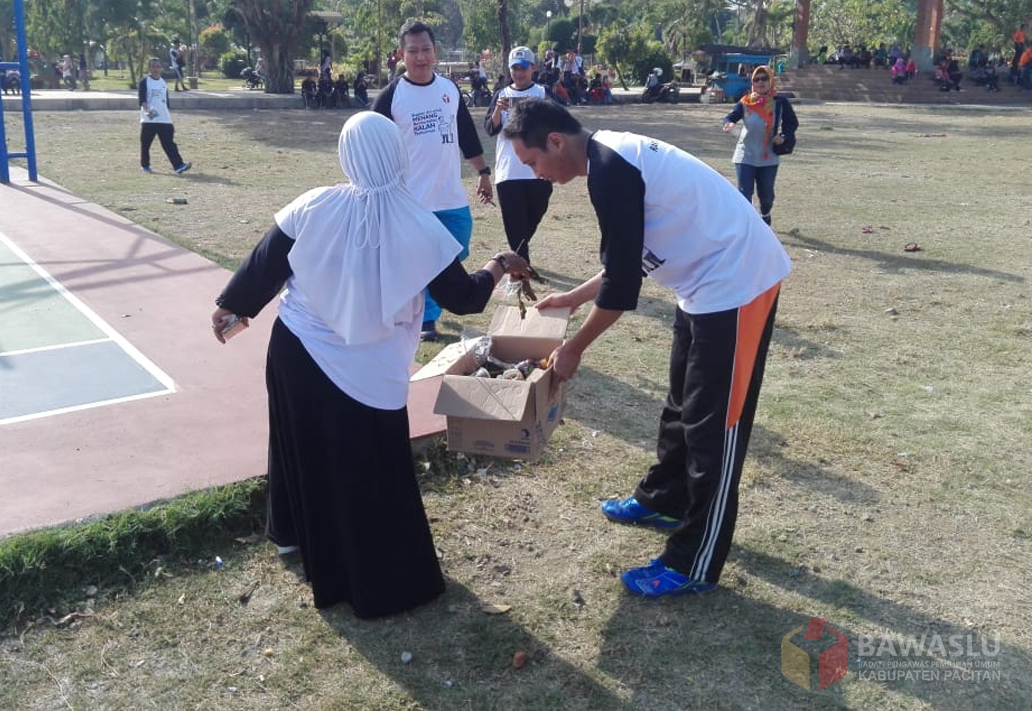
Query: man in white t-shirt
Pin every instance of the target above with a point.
(666, 215)
(155, 119)
(522, 196)
(438, 132)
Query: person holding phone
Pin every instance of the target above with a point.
(523, 198)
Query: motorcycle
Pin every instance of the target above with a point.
(252, 79)
(668, 93)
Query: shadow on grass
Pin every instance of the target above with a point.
(892, 263)
(631, 414)
(198, 176)
(723, 650)
(898, 621)
(147, 257)
(472, 666)
(766, 446)
(799, 346)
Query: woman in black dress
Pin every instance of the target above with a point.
(355, 259)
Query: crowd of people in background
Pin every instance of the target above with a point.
(334, 94)
(566, 80)
(949, 70)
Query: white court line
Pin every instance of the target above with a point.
(86, 406)
(125, 345)
(55, 347)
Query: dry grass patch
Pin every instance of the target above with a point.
(887, 487)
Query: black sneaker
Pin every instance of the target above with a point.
(428, 333)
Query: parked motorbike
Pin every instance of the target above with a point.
(668, 93)
(252, 80)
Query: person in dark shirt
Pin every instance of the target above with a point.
(355, 259)
(310, 93)
(361, 91)
(340, 92)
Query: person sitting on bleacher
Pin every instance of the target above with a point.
(847, 58)
(12, 81)
(977, 58)
(899, 72)
(881, 56)
(325, 97)
(310, 93)
(1025, 68)
(595, 89)
(361, 91)
(948, 73)
(340, 92)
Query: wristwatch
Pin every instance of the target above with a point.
(484, 171)
(502, 261)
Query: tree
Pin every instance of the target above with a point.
(7, 45)
(861, 22)
(275, 26)
(503, 26)
(989, 23)
(561, 34)
(634, 53)
(215, 40)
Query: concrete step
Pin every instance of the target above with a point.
(829, 83)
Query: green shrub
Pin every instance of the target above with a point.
(232, 63)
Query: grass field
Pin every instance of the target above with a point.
(886, 488)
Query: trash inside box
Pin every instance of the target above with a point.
(499, 417)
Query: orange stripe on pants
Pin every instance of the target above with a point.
(752, 318)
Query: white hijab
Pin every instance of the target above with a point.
(365, 251)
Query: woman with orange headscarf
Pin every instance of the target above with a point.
(756, 163)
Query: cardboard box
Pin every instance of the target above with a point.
(502, 418)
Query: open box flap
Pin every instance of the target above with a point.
(547, 323)
(483, 398)
(444, 360)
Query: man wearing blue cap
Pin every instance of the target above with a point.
(522, 197)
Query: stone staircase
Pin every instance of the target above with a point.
(829, 83)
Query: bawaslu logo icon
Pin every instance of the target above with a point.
(831, 664)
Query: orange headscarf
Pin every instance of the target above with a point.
(763, 104)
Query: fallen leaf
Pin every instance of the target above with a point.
(245, 596)
(495, 609)
(253, 538)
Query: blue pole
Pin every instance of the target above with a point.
(26, 94)
(5, 171)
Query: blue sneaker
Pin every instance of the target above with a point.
(657, 580)
(146, 169)
(184, 167)
(630, 511)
